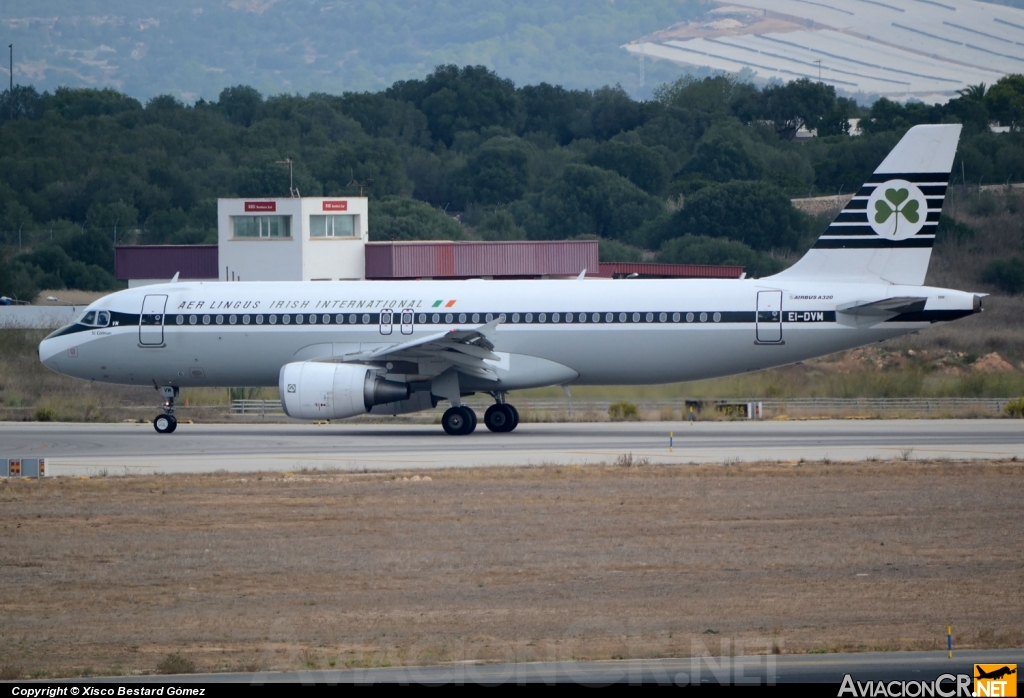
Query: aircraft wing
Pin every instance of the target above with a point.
(467, 350)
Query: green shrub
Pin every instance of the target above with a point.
(174, 663)
(1015, 408)
(45, 414)
(623, 412)
(1005, 274)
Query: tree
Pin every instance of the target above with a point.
(709, 95)
(383, 117)
(587, 200)
(27, 103)
(793, 105)
(1005, 274)
(92, 246)
(613, 112)
(723, 155)
(49, 266)
(16, 282)
(240, 104)
(645, 167)
(754, 213)
(497, 172)
(398, 218)
(460, 99)
(375, 163)
(701, 249)
(554, 110)
(77, 103)
(117, 217)
(1005, 101)
(500, 224)
(836, 121)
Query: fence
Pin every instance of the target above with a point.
(774, 406)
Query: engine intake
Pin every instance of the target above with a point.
(318, 390)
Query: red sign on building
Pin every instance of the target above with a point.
(260, 206)
(335, 206)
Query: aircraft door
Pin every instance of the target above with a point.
(151, 321)
(769, 317)
(407, 316)
(386, 318)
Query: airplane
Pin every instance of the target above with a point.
(346, 348)
(995, 673)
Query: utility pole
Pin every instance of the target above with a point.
(291, 181)
(819, 69)
(10, 92)
(643, 56)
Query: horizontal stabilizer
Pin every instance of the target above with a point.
(861, 313)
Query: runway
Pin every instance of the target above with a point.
(119, 449)
(750, 670)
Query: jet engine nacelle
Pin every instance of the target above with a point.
(319, 390)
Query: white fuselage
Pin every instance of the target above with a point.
(554, 331)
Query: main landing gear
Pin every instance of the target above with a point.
(166, 423)
(499, 417)
(458, 421)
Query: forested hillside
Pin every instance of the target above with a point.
(702, 173)
(194, 48)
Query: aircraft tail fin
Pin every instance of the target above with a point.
(886, 232)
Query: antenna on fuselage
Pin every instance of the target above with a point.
(174, 279)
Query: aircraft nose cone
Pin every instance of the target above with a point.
(48, 352)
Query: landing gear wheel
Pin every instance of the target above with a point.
(458, 421)
(500, 418)
(515, 417)
(472, 419)
(165, 424)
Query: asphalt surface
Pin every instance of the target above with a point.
(754, 670)
(117, 449)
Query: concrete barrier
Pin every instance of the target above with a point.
(37, 317)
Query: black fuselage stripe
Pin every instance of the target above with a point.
(929, 177)
(726, 317)
(876, 243)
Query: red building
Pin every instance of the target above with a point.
(146, 264)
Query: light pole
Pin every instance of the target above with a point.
(291, 181)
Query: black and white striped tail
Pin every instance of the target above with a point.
(851, 229)
(887, 230)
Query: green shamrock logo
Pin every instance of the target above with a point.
(896, 204)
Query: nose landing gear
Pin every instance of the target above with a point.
(166, 423)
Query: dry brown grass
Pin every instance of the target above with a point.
(266, 571)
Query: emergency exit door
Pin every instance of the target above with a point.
(151, 321)
(769, 317)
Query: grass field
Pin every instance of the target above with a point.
(318, 569)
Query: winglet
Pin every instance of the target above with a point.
(174, 279)
(582, 275)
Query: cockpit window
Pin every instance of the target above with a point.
(96, 318)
